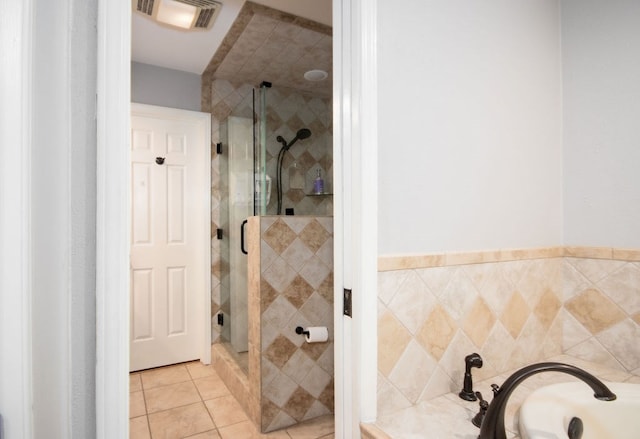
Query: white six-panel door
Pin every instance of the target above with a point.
(169, 201)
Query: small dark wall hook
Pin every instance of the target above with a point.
(160, 160)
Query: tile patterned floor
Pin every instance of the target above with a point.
(191, 401)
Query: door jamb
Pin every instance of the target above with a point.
(355, 111)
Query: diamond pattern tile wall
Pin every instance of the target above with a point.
(602, 298)
(513, 313)
(287, 111)
(430, 318)
(296, 289)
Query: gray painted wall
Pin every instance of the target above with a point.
(164, 87)
(470, 140)
(601, 41)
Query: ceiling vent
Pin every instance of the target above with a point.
(183, 14)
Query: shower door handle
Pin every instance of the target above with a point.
(244, 223)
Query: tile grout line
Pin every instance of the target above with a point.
(215, 426)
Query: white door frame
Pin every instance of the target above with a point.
(355, 215)
(112, 234)
(355, 212)
(16, 35)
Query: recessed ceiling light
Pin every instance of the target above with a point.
(176, 13)
(181, 14)
(316, 75)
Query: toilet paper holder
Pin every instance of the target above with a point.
(300, 330)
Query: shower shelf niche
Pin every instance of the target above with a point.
(323, 194)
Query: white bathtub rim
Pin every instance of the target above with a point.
(539, 416)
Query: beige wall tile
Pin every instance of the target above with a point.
(626, 254)
(280, 389)
(498, 347)
(391, 263)
(316, 381)
(412, 302)
(437, 332)
(515, 314)
(622, 342)
(592, 350)
(547, 308)
(589, 252)
(478, 322)
(412, 371)
(464, 258)
(458, 295)
(390, 398)
(388, 284)
(279, 236)
(595, 269)
(314, 235)
(393, 338)
(299, 404)
(594, 310)
(280, 351)
(623, 287)
(316, 428)
(546, 303)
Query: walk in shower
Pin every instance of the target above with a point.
(274, 145)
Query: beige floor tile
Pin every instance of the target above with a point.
(211, 387)
(313, 429)
(246, 430)
(198, 370)
(167, 397)
(135, 383)
(163, 376)
(180, 422)
(136, 404)
(211, 434)
(225, 411)
(139, 428)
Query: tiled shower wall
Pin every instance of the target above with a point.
(290, 285)
(514, 308)
(288, 112)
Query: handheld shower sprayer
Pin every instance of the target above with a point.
(472, 360)
(303, 133)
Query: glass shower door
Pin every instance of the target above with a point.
(241, 206)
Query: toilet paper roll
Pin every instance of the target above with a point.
(317, 334)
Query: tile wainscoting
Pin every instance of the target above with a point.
(514, 307)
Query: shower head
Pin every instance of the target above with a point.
(303, 133)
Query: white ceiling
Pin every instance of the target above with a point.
(191, 51)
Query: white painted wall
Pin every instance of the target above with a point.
(469, 125)
(56, 195)
(155, 85)
(601, 90)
